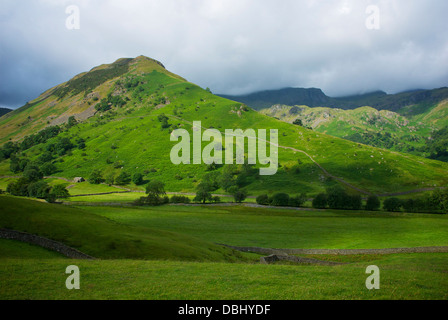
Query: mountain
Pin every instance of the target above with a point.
(118, 118)
(407, 103)
(289, 96)
(4, 111)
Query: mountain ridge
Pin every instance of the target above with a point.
(410, 102)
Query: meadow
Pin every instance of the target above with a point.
(169, 252)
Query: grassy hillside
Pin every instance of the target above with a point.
(382, 129)
(124, 133)
(103, 238)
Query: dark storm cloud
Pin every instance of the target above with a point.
(231, 46)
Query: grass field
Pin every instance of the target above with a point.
(404, 276)
(282, 228)
(168, 253)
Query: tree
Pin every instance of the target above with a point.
(392, 204)
(373, 203)
(203, 192)
(123, 178)
(48, 168)
(263, 200)
(17, 165)
(212, 180)
(63, 145)
(60, 192)
(110, 178)
(39, 189)
(280, 199)
(155, 191)
(354, 202)
(227, 180)
(438, 200)
(337, 198)
(137, 178)
(240, 196)
(71, 122)
(32, 173)
(95, 177)
(18, 188)
(156, 188)
(320, 201)
(298, 122)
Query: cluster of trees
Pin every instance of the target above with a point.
(124, 178)
(232, 179)
(282, 200)
(337, 198)
(437, 202)
(156, 195)
(437, 146)
(33, 185)
(111, 101)
(163, 119)
(10, 148)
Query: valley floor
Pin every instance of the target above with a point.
(169, 252)
(403, 276)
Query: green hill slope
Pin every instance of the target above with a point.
(103, 238)
(118, 109)
(383, 129)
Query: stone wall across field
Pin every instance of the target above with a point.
(340, 251)
(44, 243)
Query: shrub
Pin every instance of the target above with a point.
(392, 204)
(280, 199)
(179, 199)
(320, 201)
(240, 196)
(216, 199)
(297, 201)
(263, 200)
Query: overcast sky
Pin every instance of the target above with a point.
(231, 46)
